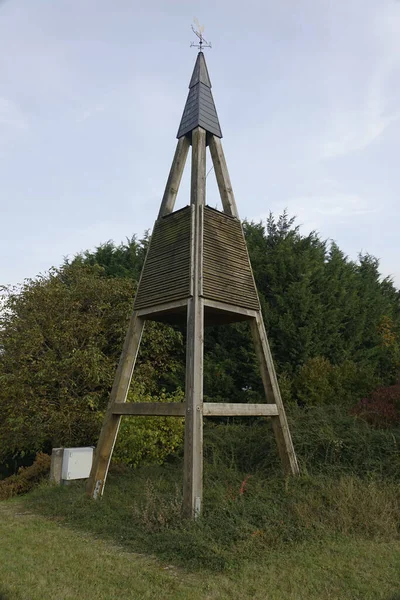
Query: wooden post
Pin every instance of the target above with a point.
(119, 392)
(273, 396)
(223, 179)
(56, 465)
(175, 176)
(193, 460)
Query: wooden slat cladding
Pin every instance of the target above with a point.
(166, 272)
(227, 274)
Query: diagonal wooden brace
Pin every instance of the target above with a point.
(119, 392)
(273, 395)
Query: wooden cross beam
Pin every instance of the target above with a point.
(178, 409)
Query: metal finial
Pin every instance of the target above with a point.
(199, 32)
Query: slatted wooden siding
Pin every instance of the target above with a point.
(227, 275)
(166, 273)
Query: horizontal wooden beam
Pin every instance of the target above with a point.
(210, 409)
(160, 308)
(230, 308)
(150, 409)
(223, 409)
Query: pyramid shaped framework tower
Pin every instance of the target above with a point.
(197, 272)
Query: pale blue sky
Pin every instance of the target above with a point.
(92, 92)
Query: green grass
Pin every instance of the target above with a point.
(141, 511)
(41, 559)
(333, 533)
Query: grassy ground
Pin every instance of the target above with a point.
(42, 560)
(141, 511)
(333, 533)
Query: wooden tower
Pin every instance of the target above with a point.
(197, 271)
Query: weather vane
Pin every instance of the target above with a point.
(199, 32)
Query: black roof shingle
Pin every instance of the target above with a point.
(200, 109)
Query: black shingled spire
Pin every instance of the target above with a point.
(200, 109)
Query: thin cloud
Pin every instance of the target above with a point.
(91, 112)
(355, 125)
(13, 126)
(11, 117)
(326, 205)
(357, 129)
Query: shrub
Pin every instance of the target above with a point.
(286, 388)
(319, 382)
(26, 479)
(149, 440)
(326, 439)
(314, 383)
(60, 338)
(329, 439)
(381, 408)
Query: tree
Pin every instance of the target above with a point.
(319, 308)
(61, 336)
(124, 260)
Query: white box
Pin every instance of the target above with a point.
(77, 463)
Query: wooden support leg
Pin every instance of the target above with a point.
(193, 461)
(222, 175)
(119, 392)
(175, 176)
(273, 395)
